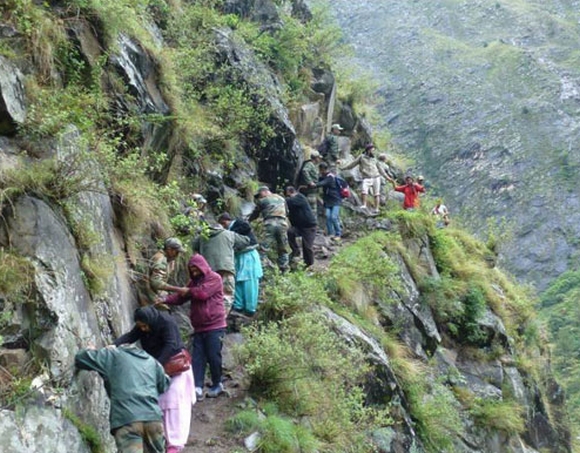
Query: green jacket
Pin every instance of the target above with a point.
(308, 175)
(219, 248)
(133, 381)
(271, 207)
(332, 153)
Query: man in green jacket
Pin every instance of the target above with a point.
(218, 247)
(133, 380)
(308, 178)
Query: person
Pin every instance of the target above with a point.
(133, 381)
(441, 214)
(330, 144)
(204, 291)
(159, 336)
(371, 172)
(248, 267)
(332, 201)
(273, 209)
(411, 191)
(308, 177)
(218, 247)
(303, 224)
(161, 265)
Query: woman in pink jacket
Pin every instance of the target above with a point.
(208, 318)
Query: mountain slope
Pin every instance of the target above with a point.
(485, 96)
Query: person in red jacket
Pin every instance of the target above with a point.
(204, 291)
(411, 190)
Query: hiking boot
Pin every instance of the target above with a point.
(199, 394)
(216, 391)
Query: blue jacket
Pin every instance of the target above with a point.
(330, 191)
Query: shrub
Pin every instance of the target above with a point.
(278, 433)
(89, 434)
(16, 275)
(303, 367)
(436, 411)
(365, 264)
(501, 415)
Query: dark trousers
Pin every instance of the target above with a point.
(207, 349)
(308, 235)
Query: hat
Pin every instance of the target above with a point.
(369, 146)
(224, 216)
(336, 126)
(420, 178)
(199, 198)
(314, 154)
(260, 190)
(173, 243)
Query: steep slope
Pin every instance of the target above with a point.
(485, 96)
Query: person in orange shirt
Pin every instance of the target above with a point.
(411, 190)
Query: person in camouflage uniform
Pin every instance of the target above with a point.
(160, 266)
(273, 209)
(134, 380)
(308, 178)
(332, 150)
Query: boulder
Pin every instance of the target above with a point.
(323, 81)
(261, 11)
(278, 158)
(14, 359)
(381, 385)
(415, 323)
(39, 429)
(12, 98)
(115, 304)
(140, 74)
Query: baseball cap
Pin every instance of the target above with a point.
(261, 189)
(173, 243)
(337, 126)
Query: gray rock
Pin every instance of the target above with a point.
(278, 159)
(140, 75)
(382, 384)
(14, 359)
(39, 429)
(417, 328)
(252, 441)
(12, 97)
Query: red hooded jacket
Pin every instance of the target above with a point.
(206, 295)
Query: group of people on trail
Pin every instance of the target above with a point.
(321, 169)
(152, 389)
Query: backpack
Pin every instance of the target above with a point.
(343, 188)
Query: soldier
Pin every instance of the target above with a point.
(273, 209)
(134, 380)
(330, 145)
(160, 266)
(308, 178)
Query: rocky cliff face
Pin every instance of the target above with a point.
(59, 309)
(484, 95)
